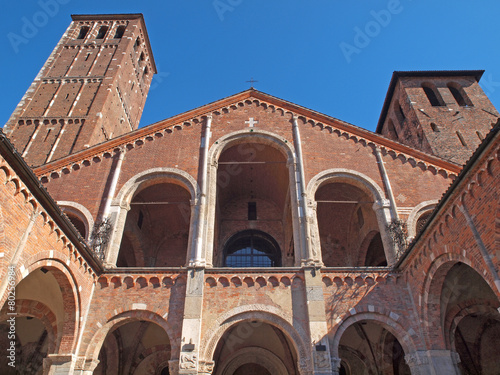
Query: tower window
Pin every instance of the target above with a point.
(120, 30)
(137, 43)
(433, 95)
(102, 32)
(460, 96)
(434, 127)
(83, 32)
(252, 210)
(141, 57)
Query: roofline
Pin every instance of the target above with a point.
(447, 196)
(250, 93)
(477, 74)
(17, 163)
(121, 16)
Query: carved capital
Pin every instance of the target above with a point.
(206, 367)
(188, 362)
(416, 359)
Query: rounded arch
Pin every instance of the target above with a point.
(416, 213)
(261, 356)
(262, 247)
(386, 322)
(262, 313)
(153, 176)
(349, 176)
(97, 340)
(433, 285)
(66, 339)
(81, 212)
(256, 136)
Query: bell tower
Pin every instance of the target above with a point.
(444, 113)
(92, 88)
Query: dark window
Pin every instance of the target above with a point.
(252, 248)
(102, 32)
(433, 96)
(252, 211)
(140, 220)
(434, 127)
(141, 57)
(137, 43)
(119, 32)
(83, 32)
(460, 96)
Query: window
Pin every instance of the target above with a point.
(83, 32)
(252, 248)
(252, 211)
(434, 127)
(102, 32)
(461, 138)
(433, 95)
(137, 43)
(119, 32)
(459, 95)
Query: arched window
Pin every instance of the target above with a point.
(433, 95)
(252, 248)
(459, 94)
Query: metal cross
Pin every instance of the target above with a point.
(251, 122)
(252, 81)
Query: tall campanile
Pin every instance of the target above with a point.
(92, 88)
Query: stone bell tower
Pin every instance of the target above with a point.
(92, 88)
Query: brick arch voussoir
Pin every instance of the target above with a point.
(398, 329)
(103, 328)
(40, 311)
(70, 294)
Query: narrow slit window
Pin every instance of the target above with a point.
(434, 127)
(102, 32)
(252, 210)
(461, 138)
(137, 44)
(140, 220)
(120, 30)
(87, 57)
(83, 32)
(480, 135)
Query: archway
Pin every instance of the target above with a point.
(471, 321)
(368, 347)
(257, 348)
(134, 347)
(253, 193)
(156, 232)
(348, 226)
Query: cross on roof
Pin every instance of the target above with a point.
(252, 81)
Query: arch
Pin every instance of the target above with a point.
(154, 175)
(248, 238)
(261, 356)
(355, 178)
(97, 340)
(433, 285)
(415, 214)
(433, 94)
(81, 212)
(459, 94)
(67, 338)
(386, 322)
(256, 136)
(263, 313)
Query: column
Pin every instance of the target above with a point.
(59, 364)
(382, 210)
(118, 217)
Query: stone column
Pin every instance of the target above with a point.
(382, 210)
(59, 364)
(320, 348)
(191, 324)
(118, 217)
(433, 362)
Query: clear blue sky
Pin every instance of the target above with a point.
(308, 52)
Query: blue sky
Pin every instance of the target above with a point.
(332, 56)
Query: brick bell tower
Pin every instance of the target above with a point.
(444, 113)
(92, 88)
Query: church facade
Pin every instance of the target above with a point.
(247, 236)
